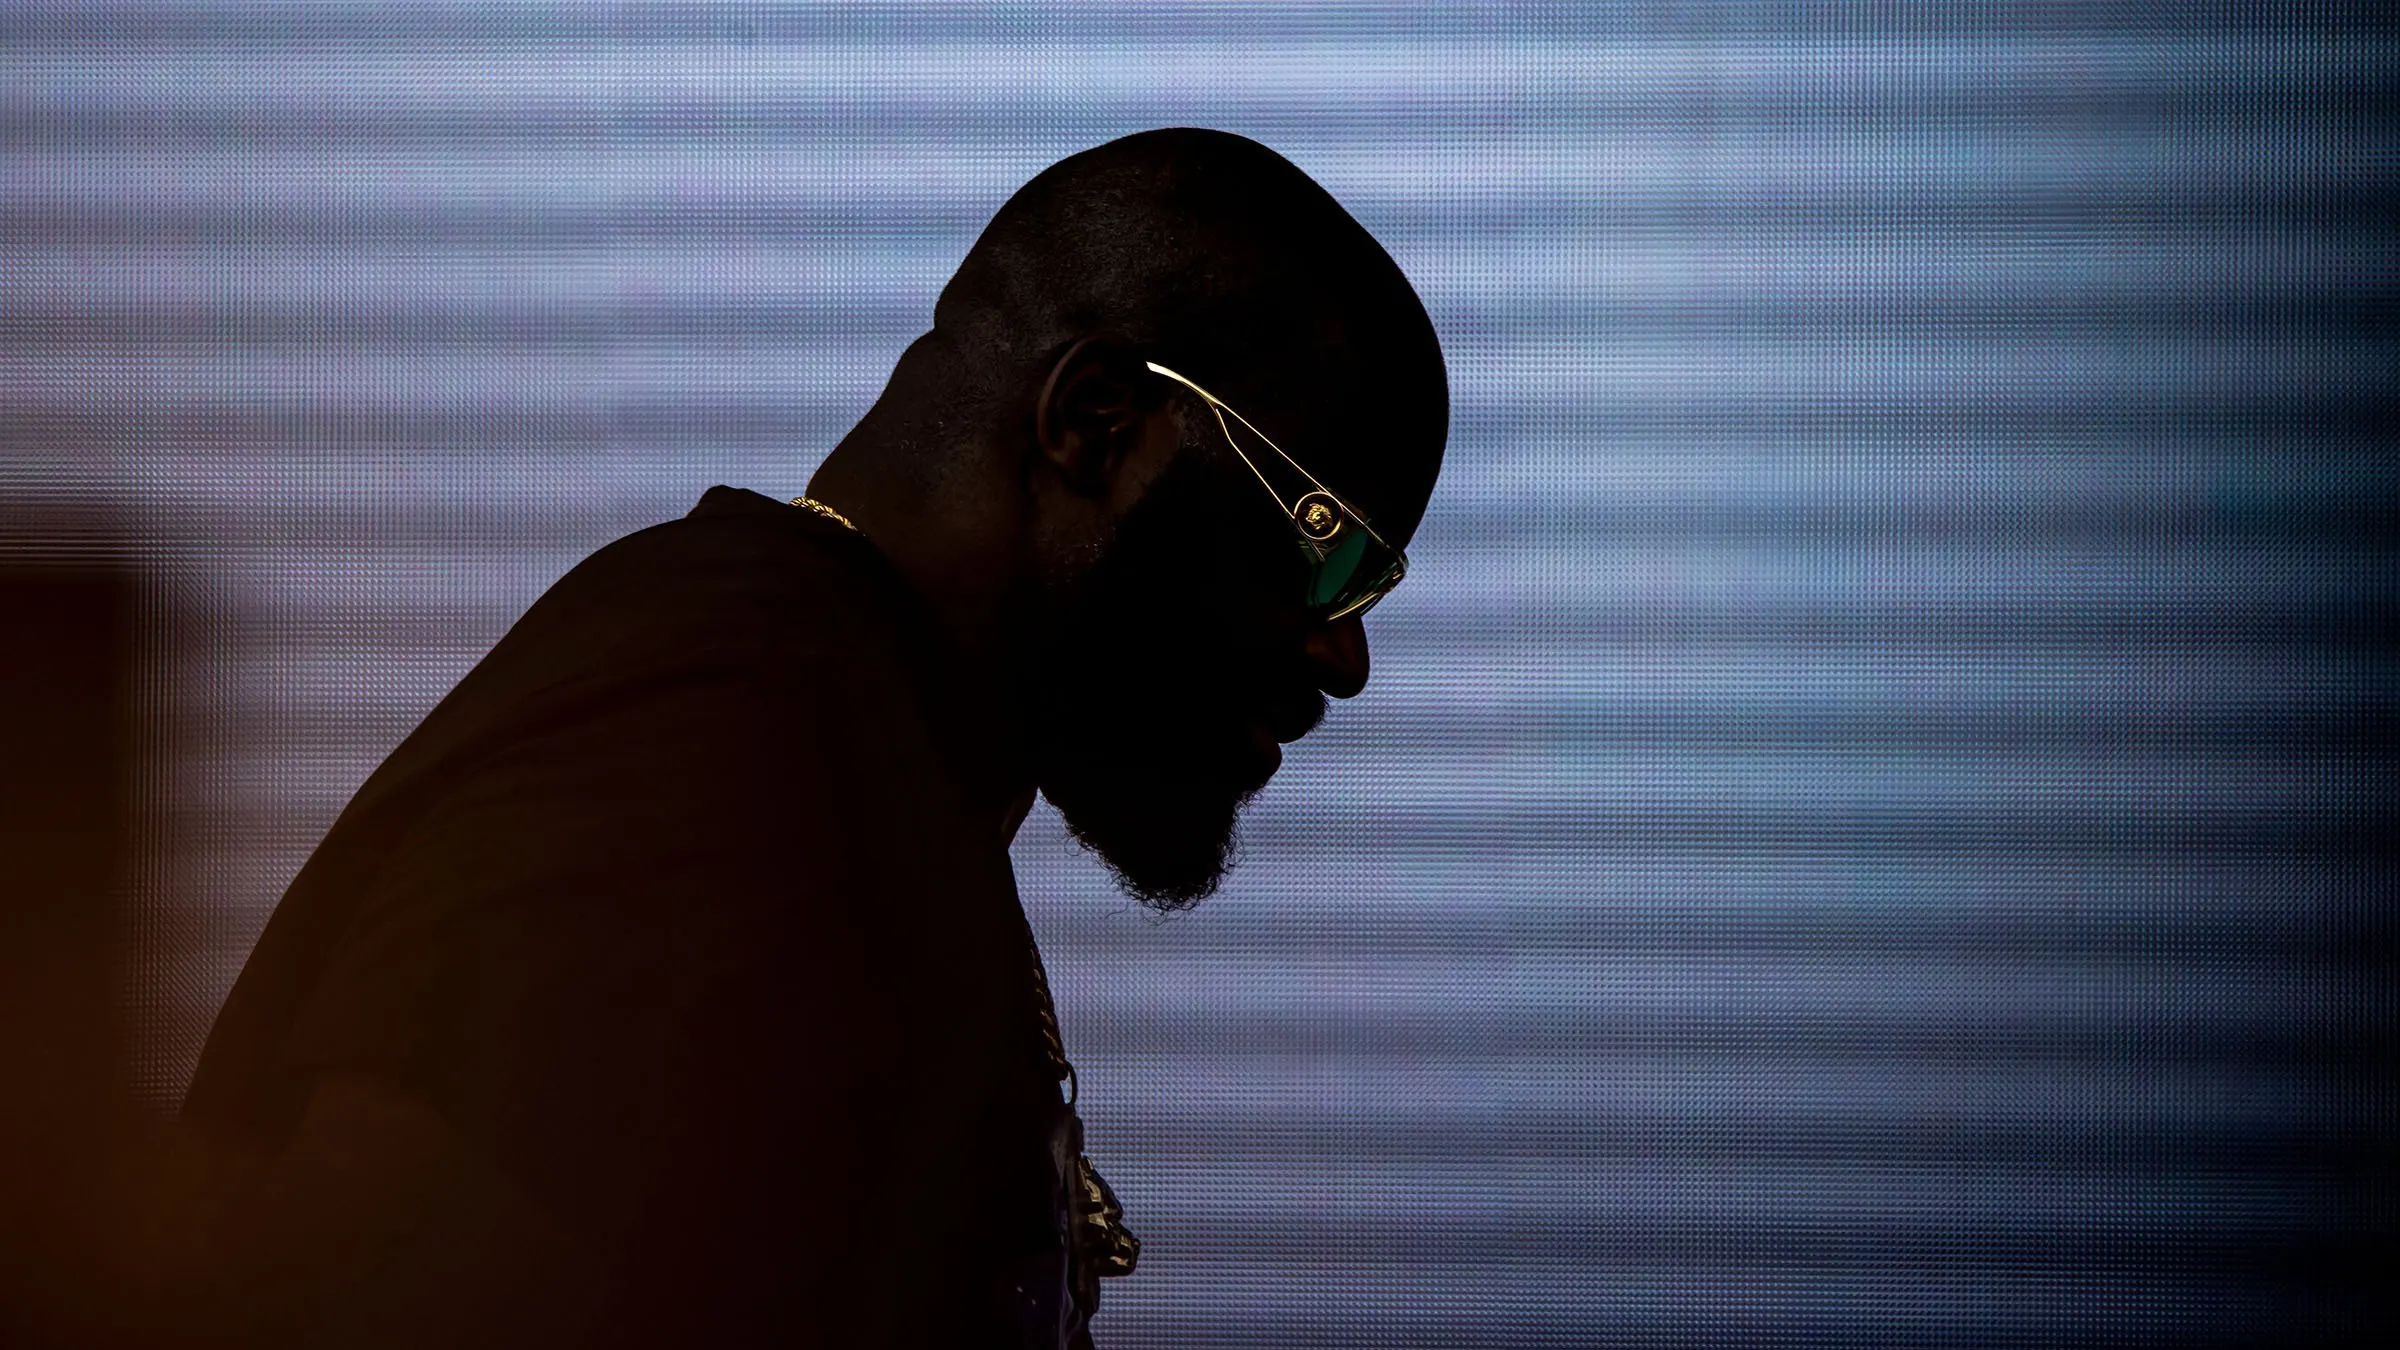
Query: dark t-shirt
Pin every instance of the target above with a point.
(673, 907)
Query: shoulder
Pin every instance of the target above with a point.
(744, 609)
(738, 568)
(750, 647)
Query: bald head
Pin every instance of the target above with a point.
(1212, 254)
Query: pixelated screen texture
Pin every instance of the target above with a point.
(1866, 827)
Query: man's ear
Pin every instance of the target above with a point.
(1089, 418)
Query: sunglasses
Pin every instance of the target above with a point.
(1350, 567)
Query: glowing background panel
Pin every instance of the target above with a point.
(1866, 825)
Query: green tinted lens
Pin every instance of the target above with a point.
(1338, 569)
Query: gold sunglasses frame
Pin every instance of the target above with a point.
(1299, 510)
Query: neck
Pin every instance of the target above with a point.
(958, 553)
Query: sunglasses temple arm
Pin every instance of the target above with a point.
(1222, 409)
(1213, 408)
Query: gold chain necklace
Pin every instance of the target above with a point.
(1102, 1246)
(828, 512)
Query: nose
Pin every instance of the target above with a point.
(1337, 656)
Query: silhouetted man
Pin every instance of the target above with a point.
(669, 983)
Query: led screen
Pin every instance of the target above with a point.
(1866, 826)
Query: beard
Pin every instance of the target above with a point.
(1168, 839)
(1142, 735)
